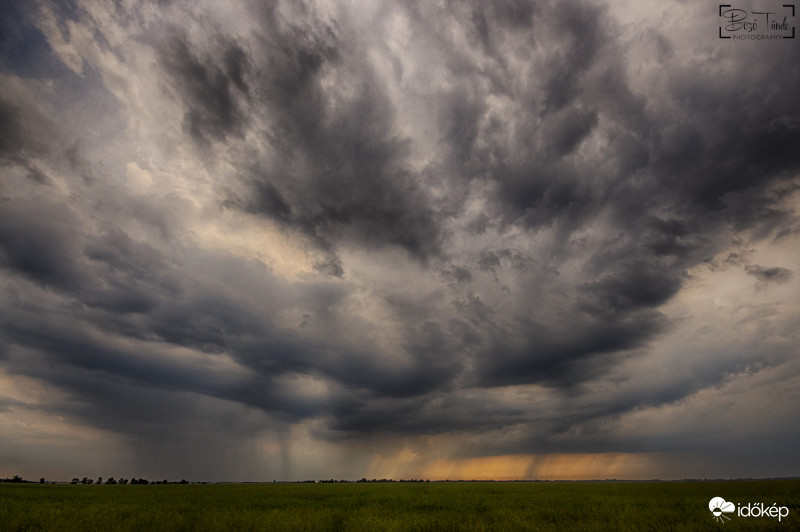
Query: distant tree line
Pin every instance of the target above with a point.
(123, 481)
(18, 479)
(86, 480)
(15, 479)
(364, 479)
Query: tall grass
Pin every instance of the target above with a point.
(392, 506)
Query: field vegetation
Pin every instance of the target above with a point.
(392, 506)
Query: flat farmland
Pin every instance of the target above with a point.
(396, 506)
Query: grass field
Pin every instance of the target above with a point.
(394, 506)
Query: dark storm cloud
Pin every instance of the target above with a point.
(550, 208)
(632, 286)
(124, 336)
(671, 206)
(694, 152)
(585, 36)
(707, 162)
(569, 131)
(18, 144)
(211, 87)
(124, 288)
(769, 275)
(40, 248)
(336, 171)
(110, 271)
(22, 45)
(537, 183)
(11, 134)
(33, 141)
(343, 177)
(690, 166)
(566, 356)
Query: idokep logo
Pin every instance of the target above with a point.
(719, 507)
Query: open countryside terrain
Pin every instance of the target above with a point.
(395, 506)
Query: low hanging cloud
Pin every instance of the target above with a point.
(775, 275)
(373, 232)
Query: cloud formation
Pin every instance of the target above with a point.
(408, 236)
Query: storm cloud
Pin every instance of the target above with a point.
(398, 235)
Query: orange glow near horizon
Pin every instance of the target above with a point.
(517, 467)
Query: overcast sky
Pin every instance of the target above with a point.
(288, 240)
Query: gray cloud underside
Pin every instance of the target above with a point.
(540, 124)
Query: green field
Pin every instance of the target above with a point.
(394, 506)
